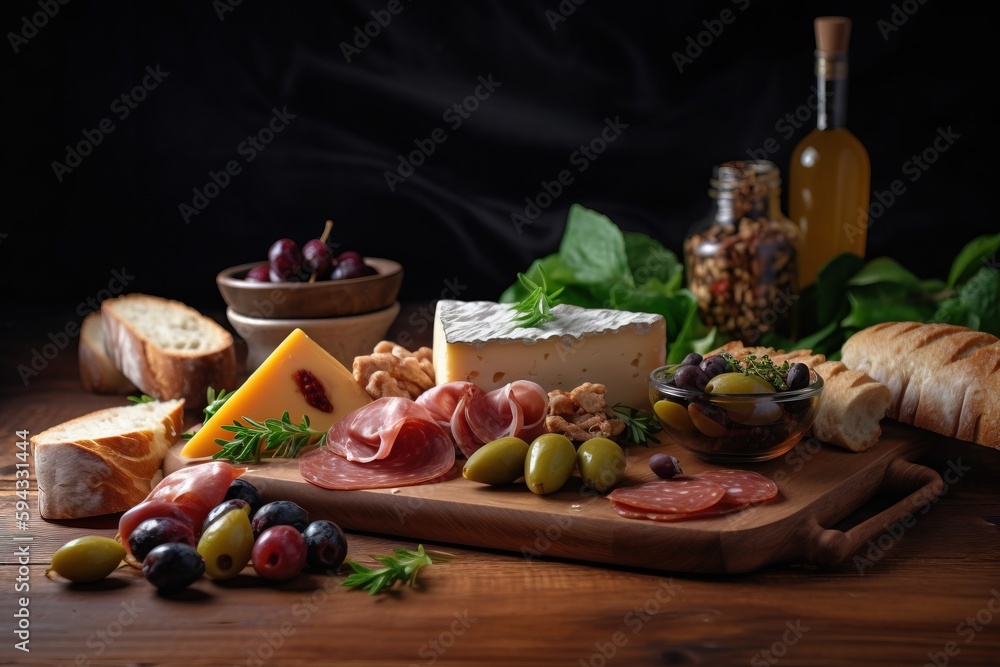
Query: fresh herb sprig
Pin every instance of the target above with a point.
(762, 367)
(215, 401)
(401, 565)
(274, 438)
(536, 307)
(640, 427)
(145, 398)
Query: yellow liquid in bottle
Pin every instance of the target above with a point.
(829, 181)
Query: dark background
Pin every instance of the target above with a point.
(450, 223)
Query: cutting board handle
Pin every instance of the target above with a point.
(828, 547)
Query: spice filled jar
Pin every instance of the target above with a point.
(741, 262)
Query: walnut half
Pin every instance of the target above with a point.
(393, 370)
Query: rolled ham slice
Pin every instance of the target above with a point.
(389, 442)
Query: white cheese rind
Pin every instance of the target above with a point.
(478, 341)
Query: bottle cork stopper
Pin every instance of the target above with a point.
(832, 34)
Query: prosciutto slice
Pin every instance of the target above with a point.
(475, 417)
(187, 495)
(390, 442)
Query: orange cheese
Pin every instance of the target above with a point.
(272, 389)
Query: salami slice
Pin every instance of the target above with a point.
(717, 509)
(678, 495)
(743, 487)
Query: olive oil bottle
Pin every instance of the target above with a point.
(830, 175)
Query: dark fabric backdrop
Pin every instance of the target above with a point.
(916, 70)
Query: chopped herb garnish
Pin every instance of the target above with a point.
(401, 565)
(535, 308)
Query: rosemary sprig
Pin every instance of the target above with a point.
(535, 308)
(275, 438)
(401, 565)
(145, 398)
(762, 367)
(639, 427)
(215, 401)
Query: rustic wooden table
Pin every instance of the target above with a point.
(923, 593)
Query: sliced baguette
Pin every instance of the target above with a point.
(851, 409)
(106, 461)
(97, 373)
(169, 350)
(942, 377)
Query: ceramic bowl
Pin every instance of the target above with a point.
(733, 428)
(343, 337)
(320, 299)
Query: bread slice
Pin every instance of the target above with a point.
(942, 377)
(106, 461)
(97, 373)
(851, 408)
(169, 350)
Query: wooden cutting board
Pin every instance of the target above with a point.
(818, 486)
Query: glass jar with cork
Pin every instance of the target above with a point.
(741, 262)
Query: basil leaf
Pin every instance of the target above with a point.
(981, 250)
(594, 248)
(831, 284)
(885, 270)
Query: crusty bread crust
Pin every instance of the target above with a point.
(97, 373)
(91, 476)
(169, 373)
(942, 377)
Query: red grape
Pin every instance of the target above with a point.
(317, 257)
(279, 553)
(285, 260)
(351, 265)
(259, 274)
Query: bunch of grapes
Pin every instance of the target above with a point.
(286, 262)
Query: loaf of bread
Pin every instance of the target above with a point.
(851, 409)
(106, 461)
(97, 373)
(852, 405)
(167, 349)
(942, 377)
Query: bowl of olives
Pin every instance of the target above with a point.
(730, 411)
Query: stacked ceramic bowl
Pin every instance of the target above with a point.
(346, 317)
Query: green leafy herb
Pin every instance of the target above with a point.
(145, 398)
(215, 401)
(763, 367)
(275, 438)
(401, 565)
(639, 426)
(536, 307)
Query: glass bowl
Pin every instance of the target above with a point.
(733, 428)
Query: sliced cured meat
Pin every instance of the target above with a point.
(188, 495)
(743, 487)
(678, 495)
(442, 401)
(718, 509)
(389, 442)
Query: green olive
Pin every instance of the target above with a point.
(498, 462)
(601, 463)
(226, 545)
(550, 461)
(87, 559)
(757, 414)
(673, 415)
(738, 383)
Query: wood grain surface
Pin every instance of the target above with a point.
(924, 589)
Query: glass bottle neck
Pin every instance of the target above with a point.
(831, 91)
